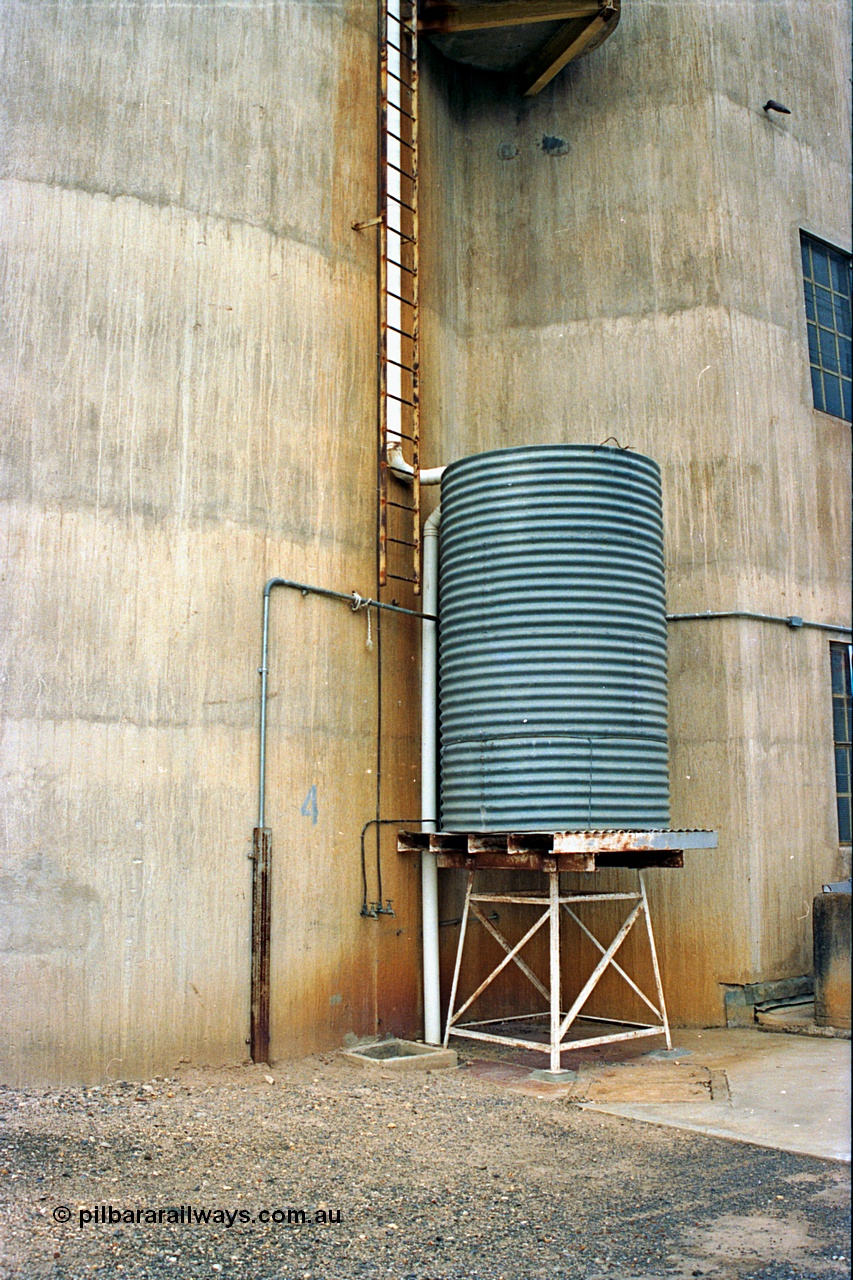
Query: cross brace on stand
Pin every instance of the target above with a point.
(560, 1022)
(553, 852)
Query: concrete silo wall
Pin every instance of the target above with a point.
(627, 264)
(188, 372)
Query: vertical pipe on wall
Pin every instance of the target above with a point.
(429, 777)
(259, 1035)
(259, 998)
(259, 1025)
(263, 674)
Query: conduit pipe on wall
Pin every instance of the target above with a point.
(429, 776)
(354, 600)
(792, 621)
(259, 1021)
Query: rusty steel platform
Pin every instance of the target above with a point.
(554, 852)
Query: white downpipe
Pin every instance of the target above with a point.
(429, 775)
(397, 464)
(404, 470)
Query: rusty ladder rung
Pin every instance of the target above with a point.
(397, 200)
(392, 17)
(400, 80)
(404, 173)
(390, 44)
(392, 106)
(412, 271)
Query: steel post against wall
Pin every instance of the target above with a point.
(459, 951)
(259, 1029)
(560, 1023)
(654, 954)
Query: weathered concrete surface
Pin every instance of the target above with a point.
(187, 362)
(832, 917)
(786, 1092)
(643, 281)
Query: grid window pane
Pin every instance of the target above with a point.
(825, 310)
(827, 289)
(828, 354)
(836, 666)
(820, 264)
(840, 656)
(832, 394)
(844, 820)
(814, 353)
(839, 275)
(811, 313)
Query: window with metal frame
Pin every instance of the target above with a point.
(841, 663)
(827, 285)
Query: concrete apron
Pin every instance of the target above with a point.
(788, 1092)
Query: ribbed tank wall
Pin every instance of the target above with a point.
(552, 685)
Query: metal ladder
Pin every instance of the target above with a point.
(399, 501)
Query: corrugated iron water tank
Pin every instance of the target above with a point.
(552, 624)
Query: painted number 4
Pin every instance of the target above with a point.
(309, 805)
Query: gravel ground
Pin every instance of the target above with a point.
(446, 1176)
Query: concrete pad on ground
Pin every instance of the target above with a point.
(789, 1092)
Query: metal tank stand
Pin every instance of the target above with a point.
(559, 1022)
(553, 853)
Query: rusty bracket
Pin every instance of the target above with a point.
(371, 222)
